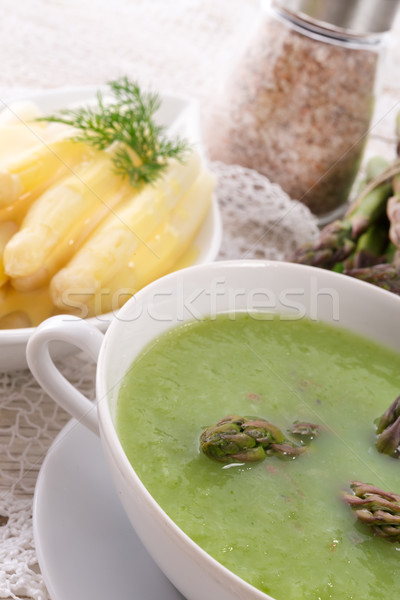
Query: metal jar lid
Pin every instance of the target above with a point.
(358, 17)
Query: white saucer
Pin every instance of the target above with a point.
(86, 547)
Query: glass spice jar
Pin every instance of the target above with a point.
(298, 105)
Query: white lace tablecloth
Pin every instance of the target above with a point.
(182, 47)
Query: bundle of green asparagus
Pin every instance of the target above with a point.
(250, 439)
(365, 243)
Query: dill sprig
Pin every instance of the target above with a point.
(142, 149)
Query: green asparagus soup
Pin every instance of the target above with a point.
(281, 525)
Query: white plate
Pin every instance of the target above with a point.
(86, 547)
(180, 117)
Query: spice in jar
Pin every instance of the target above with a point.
(297, 109)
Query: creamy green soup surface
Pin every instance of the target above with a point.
(279, 524)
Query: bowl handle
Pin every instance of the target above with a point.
(79, 333)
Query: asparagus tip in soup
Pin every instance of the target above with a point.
(251, 439)
(388, 430)
(377, 509)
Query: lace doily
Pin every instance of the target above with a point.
(259, 221)
(30, 421)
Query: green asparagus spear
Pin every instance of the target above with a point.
(392, 254)
(382, 178)
(375, 166)
(245, 439)
(370, 247)
(377, 509)
(360, 257)
(384, 275)
(393, 212)
(334, 245)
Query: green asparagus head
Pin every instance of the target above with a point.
(246, 439)
(388, 442)
(377, 509)
(389, 416)
(227, 442)
(384, 275)
(334, 245)
(388, 430)
(304, 432)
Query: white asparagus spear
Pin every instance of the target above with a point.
(60, 220)
(37, 169)
(7, 230)
(153, 257)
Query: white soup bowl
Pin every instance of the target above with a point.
(196, 293)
